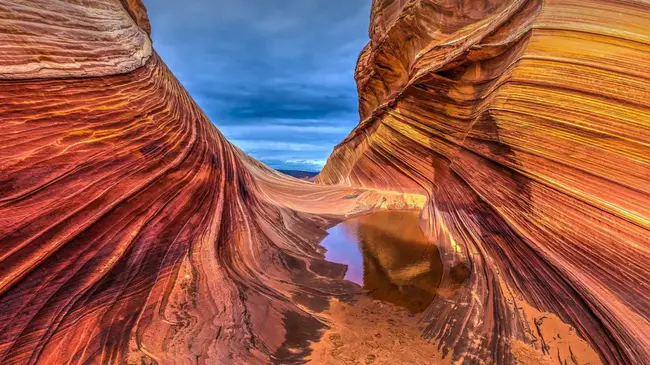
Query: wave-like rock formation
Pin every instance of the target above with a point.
(526, 123)
(45, 39)
(131, 231)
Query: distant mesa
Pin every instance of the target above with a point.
(299, 174)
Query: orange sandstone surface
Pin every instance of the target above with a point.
(527, 126)
(132, 232)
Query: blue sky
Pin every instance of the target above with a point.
(275, 76)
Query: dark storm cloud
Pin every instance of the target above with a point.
(276, 76)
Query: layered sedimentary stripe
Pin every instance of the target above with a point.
(66, 38)
(131, 231)
(527, 124)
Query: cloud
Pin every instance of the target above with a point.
(316, 163)
(263, 145)
(280, 131)
(276, 76)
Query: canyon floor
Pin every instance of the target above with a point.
(369, 331)
(400, 270)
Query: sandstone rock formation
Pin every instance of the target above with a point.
(526, 123)
(132, 232)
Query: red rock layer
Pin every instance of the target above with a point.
(68, 38)
(130, 230)
(526, 122)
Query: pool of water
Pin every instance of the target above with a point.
(387, 254)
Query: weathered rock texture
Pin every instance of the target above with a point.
(527, 125)
(131, 232)
(66, 38)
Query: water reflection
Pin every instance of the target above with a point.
(387, 253)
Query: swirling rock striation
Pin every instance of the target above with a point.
(526, 123)
(131, 231)
(51, 39)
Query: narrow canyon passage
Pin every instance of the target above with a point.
(495, 195)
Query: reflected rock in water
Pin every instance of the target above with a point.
(387, 253)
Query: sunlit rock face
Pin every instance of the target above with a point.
(131, 231)
(49, 39)
(526, 123)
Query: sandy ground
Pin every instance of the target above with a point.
(374, 332)
(553, 341)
